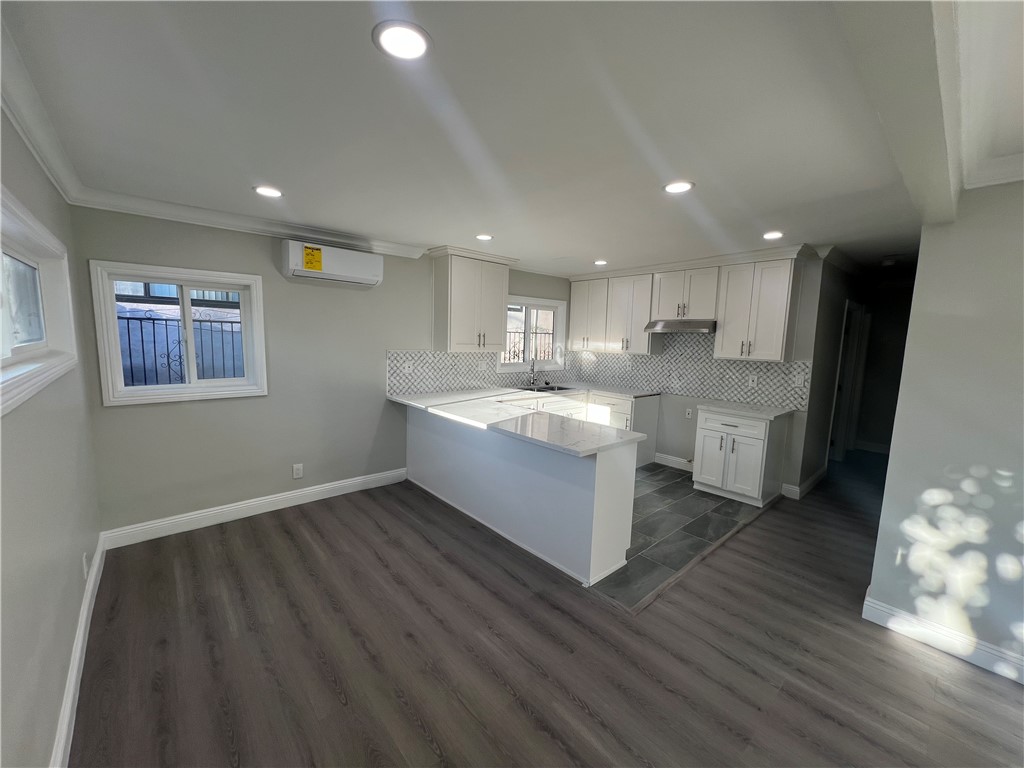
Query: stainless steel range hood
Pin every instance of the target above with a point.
(680, 326)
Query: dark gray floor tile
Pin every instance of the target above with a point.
(676, 550)
(660, 523)
(666, 475)
(642, 487)
(737, 510)
(693, 506)
(649, 502)
(634, 581)
(647, 469)
(710, 526)
(637, 544)
(676, 490)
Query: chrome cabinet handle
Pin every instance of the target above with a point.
(750, 347)
(679, 310)
(733, 446)
(622, 343)
(627, 344)
(478, 338)
(721, 442)
(684, 310)
(627, 423)
(741, 349)
(485, 338)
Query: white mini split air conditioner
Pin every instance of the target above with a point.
(339, 265)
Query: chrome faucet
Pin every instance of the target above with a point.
(533, 373)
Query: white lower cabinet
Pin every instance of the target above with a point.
(740, 458)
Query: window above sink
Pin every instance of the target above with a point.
(535, 333)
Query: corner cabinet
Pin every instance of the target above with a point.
(739, 457)
(754, 310)
(629, 311)
(690, 294)
(588, 315)
(470, 304)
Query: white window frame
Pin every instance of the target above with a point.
(31, 367)
(108, 340)
(558, 345)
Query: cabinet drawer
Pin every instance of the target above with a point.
(734, 425)
(623, 405)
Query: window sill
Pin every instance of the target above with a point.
(180, 394)
(21, 380)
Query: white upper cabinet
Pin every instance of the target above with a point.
(588, 308)
(629, 311)
(470, 304)
(753, 310)
(690, 294)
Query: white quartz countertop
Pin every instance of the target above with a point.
(768, 412)
(431, 399)
(624, 391)
(572, 436)
(479, 412)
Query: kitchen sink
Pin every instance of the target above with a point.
(545, 388)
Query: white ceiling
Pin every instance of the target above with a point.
(551, 126)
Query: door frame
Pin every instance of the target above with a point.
(849, 380)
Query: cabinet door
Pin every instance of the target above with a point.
(709, 458)
(668, 295)
(743, 473)
(735, 286)
(618, 420)
(464, 332)
(493, 305)
(638, 342)
(700, 293)
(579, 309)
(620, 299)
(769, 310)
(597, 315)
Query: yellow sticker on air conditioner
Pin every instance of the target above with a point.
(313, 258)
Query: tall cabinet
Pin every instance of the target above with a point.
(470, 304)
(588, 315)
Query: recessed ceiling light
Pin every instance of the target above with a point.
(401, 39)
(600, 263)
(267, 191)
(678, 187)
(773, 235)
(485, 237)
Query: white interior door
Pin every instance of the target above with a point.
(668, 295)
(493, 305)
(597, 315)
(735, 285)
(709, 457)
(746, 455)
(700, 293)
(769, 308)
(464, 305)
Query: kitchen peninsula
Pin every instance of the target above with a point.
(558, 487)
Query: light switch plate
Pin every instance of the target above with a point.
(481, 365)
(798, 379)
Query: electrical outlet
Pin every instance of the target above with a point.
(752, 380)
(296, 471)
(798, 379)
(85, 566)
(689, 413)
(481, 365)
(406, 367)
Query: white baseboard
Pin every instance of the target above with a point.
(864, 445)
(165, 526)
(673, 461)
(978, 652)
(799, 491)
(66, 718)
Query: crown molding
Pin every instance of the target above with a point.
(21, 103)
(454, 250)
(840, 260)
(803, 251)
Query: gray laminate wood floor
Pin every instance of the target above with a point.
(383, 628)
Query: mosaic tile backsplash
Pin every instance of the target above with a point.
(686, 367)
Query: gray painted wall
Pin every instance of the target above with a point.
(535, 286)
(959, 423)
(326, 367)
(49, 516)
